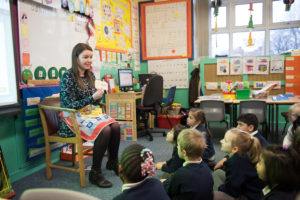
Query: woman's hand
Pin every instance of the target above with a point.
(98, 95)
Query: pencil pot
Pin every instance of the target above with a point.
(243, 94)
(229, 95)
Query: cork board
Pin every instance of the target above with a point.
(210, 75)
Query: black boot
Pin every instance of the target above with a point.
(98, 179)
(113, 164)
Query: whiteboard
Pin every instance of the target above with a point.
(166, 30)
(48, 35)
(178, 76)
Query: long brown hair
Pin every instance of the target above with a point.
(77, 50)
(246, 144)
(199, 115)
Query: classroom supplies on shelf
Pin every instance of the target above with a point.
(243, 93)
(263, 93)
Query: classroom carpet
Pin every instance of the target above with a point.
(161, 149)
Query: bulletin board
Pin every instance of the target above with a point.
(47, 36)
(208, 73)
(166, 30)
(113, 26)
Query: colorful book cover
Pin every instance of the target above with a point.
(126, 131)
(113, 108)
(121, 111)
(128, 111)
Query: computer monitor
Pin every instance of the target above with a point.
(125, 78)
(144, 78)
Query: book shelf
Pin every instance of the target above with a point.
(122, 107)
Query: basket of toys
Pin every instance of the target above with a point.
(175, 109)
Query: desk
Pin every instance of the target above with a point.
(270, 103)
(122, 107)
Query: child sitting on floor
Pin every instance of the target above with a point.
(194, 179)
(278, 167)
(239, 178)
(197, 120)
(175, 162)
(248, 123)
(294, 118)
(136, 170)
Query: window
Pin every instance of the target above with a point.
(275, 30)
(240, 42)
(220, 44)
(284, 39)
(292, 15)
(221, 19)
(242, 14)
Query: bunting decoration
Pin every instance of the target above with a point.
(250, 25)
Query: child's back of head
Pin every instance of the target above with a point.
(176, 130)
(192, 142)
(137, 162)
(281, 167)
(249, 119)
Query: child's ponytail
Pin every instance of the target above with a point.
(255, 149)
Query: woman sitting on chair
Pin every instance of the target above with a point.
(77, 91)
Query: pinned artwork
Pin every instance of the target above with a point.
(277, 64)
(223, 66)
(248, 65)
(262, 65)
(236, 66)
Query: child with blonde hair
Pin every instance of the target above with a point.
(194, 179)
(197, 120)
(279, 167)
(136, 170)
(241, 179)
(294, 118)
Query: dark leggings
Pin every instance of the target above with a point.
(109, 138)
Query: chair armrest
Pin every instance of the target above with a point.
(57, 108)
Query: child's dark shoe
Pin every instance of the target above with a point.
(98, 179)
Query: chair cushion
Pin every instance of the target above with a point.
(144, 108)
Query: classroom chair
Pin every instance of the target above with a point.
(257, 107)
(49, 110)
(54, 194)
(214, 111)
(286, 118)
(151, 101)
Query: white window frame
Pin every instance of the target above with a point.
(266, 25)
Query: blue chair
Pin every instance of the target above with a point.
(169, 100)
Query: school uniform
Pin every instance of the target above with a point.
(278, 194)
(263, 142)
(192, 181)
(209, 152)
(241, 178)
(147, 189)
(174, 163)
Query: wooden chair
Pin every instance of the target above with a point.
(49, 111)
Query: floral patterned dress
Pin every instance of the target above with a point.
(72, 96)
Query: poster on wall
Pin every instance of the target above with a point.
(113, 25)
(223, 66)
(236, 66)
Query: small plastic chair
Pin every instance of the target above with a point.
(214, 111)
(54, 194)
(259, 108)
